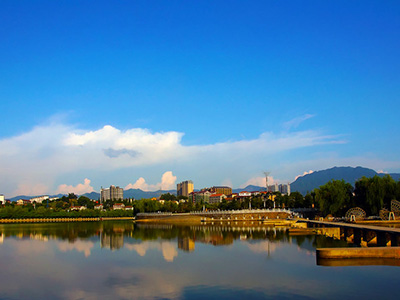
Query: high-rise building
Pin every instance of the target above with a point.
(112, 193)
(284, 189)
(184, 188)
(273, 188)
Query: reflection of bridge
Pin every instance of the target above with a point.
(363, 234)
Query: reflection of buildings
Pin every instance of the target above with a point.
(186, 244)
(216, 239)
(39, 237)
(113, 241)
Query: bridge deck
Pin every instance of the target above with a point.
(358, 226)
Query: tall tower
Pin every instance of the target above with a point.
(266, 179)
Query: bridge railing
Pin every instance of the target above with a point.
(242, 211)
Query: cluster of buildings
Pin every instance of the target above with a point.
(111, 193)
(216, 194)
(34, 200)
(284, 189)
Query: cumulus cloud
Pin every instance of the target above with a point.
(33, 163)
(168, 181)
(79, 189)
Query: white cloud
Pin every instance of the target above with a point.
(304, 173)
(31, 189)
(168, 181)
(79, 189)
(37, 161)
(295, 122)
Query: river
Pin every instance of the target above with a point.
(123, 260)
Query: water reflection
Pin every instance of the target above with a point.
(167, 239)
(121, 260)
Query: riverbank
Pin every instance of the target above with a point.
(54, 220)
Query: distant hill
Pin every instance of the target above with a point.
(314, 180)
(249, 188)
(92, 195)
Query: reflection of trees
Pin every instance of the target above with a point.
(113, 233)
(70, 231)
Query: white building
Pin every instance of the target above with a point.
(111, 193)
(245, 194)
(40, 199)
(2, 199)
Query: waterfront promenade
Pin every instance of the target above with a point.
(221, 216)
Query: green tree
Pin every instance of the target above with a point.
(168, 197)
(335, 197)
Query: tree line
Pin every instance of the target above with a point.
(334, 197)
(370, 194)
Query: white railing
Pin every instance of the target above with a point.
(242, 211)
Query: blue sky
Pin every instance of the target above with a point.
(212, 91)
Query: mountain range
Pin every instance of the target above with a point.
(314, 180)
(302, 184)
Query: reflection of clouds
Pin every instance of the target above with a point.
(262, 247)
(168, 249)
(127, 283)
(80, 294)
(79, 245)
(28, 247)
(140, 249)
(140, 284)
(48, 276)
(306, 251)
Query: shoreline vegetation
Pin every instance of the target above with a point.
(60, 220)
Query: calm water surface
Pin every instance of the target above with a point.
(120, 260)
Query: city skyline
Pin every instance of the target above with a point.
(147, 95)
